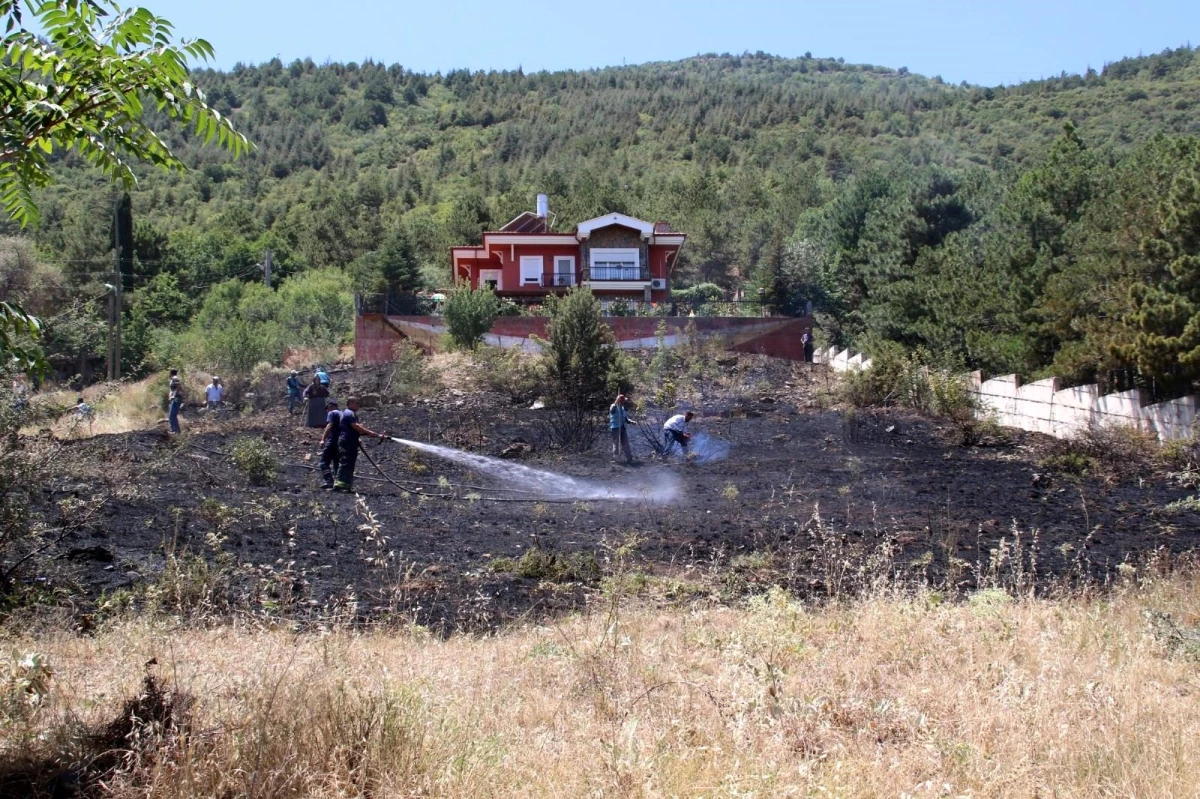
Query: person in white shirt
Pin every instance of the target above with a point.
(675, 431)
(214, 393)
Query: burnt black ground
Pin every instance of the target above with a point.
(880, 481)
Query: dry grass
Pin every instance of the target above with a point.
(889, 696)
(116, 407)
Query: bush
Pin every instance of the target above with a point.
(584, 369)
(410, 371)
(469, 315)
(897, 379)
(1120, 448)
(512, 373)
(22, 475)
(702, 293)
(254, 458)
(583, 363)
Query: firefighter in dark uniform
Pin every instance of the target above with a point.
(329, 442)
(351, 431)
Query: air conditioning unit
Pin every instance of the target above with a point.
(658, 283)
(562, 280)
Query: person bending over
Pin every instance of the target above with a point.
(675, 431)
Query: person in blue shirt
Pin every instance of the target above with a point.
(618, 418)
(322, 375)
(293, 390)
(350, 432)
(329, 442)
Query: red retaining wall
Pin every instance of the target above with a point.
(375, 334)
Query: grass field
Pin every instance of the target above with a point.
(888, 695)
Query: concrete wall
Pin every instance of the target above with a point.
(841, 360)
(375, 334)
(1044, 406)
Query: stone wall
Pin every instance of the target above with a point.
(617, 237)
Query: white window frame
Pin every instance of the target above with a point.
(528, 264)
(560, 270)
(608, 256)
(492, 274)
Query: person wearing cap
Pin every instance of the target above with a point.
(618, 419)
(329, 442)
(349, 432)
(214, 393)
(675, 432)
(293, 391)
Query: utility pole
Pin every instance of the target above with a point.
(116, 319)
(111, 306)
(114, 322)
(267, 268)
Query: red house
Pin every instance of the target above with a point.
(617, 256)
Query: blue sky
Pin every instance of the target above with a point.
(983, 43)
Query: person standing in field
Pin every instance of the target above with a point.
(675, 431)
(618, 419)
(806, 341)
(350, 432)
(174, 400)
(214, 393)
(293, 391)
(315, 395)
(329, 442)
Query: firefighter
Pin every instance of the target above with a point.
(329, 442)
(350, 431)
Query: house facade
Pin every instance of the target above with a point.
(619, 257)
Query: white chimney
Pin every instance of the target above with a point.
(543, 206)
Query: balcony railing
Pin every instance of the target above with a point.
(615, 273)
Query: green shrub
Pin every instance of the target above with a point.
(513, 373)
(254, 458)
(469, 315)
(906, 380)
(1119, 447)
(701, 293)
(1073, 463)
(584, 366)
(1181, 453)
(410, 370)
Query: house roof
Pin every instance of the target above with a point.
(529, 228)
(525, 222)
(585, 229)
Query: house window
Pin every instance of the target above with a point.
(564, 270)
(616, 264)
(531, 270)
(490, 278)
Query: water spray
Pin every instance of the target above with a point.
(664, 488)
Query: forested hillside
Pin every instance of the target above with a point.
(1040, 226)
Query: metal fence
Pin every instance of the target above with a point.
(518, 305)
